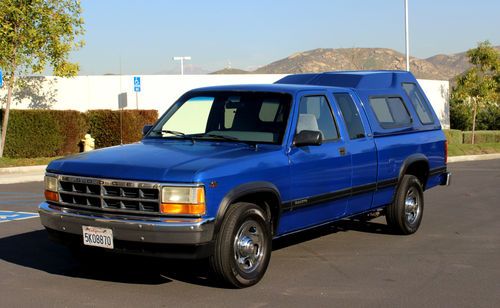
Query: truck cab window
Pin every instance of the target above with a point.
(315, 114)
(351, 115)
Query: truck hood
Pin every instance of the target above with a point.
(158, 161)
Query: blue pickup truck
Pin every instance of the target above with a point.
(227, 169)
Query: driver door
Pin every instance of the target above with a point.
(320, 174)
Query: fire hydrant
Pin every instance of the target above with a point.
(88, 143)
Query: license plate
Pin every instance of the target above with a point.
(99, 237)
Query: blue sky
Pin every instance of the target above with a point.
(248, 34)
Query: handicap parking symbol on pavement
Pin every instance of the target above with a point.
(11, 216)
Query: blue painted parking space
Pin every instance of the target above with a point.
(11, 216)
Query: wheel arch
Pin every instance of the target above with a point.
(264, 194)
(417, 165)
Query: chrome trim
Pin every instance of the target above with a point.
(116, 182)
(159, 230)
(446, 179)
(111, 210)
(107, 196)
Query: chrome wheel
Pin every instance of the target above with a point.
(412, 206)
(248, 246)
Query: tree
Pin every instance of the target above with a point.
(478, 87)
(35, 34)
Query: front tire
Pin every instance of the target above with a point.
(243, 246)
(404, 215)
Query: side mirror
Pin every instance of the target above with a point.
(308, 137)
(146, 129)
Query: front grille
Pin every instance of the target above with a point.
(110, 195)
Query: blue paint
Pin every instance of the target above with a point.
(12, 216)
(1, 78)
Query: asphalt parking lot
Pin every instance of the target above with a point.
(453, 260)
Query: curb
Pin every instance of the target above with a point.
(456, 159)
(26, 169)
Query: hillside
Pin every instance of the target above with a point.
(453, 64)
(233, 71)
(327, 59)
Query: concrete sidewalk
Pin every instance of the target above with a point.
(15, 175)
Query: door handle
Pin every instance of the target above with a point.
(342, 151)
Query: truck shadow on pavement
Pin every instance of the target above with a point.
(35, 250)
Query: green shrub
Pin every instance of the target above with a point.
(454, 136)
(134, 121)
(105, 125)
(483, 136)
(73, 126)
(49, 133)
(43, 133)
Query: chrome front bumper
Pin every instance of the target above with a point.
(185, 231)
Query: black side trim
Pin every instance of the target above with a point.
(339, 194)
(437, 171)
(387, 183)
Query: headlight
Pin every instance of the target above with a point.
(182, 200)
(51, 186)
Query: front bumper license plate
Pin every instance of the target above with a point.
(99, 237)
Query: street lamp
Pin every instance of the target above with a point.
(407, 37)
(182, 62)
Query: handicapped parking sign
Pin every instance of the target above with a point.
(137, 84)
(11, 216)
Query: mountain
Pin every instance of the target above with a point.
(453, 64)
(234, 71)
(328, 59)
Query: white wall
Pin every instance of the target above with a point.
(437, 91)
(160, 91)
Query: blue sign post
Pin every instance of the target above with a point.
(137, 84)
(1, 78)
(137, 89)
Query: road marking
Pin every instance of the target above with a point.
(12, 216)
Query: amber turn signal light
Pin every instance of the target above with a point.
(51, 196)
(183, 209)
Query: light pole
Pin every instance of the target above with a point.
(407, 37)
(182, 62)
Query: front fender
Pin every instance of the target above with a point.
(241, 191)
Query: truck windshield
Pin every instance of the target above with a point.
(252, 117)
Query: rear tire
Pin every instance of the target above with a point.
(243, 246)
(404, 215)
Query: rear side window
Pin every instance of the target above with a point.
(351, 116)
(390, 112)
(417, 100)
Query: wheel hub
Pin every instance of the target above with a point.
(248, 246)
(412, 206)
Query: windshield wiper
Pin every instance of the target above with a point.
(227, 138)
(175, 133)
(172, 132)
